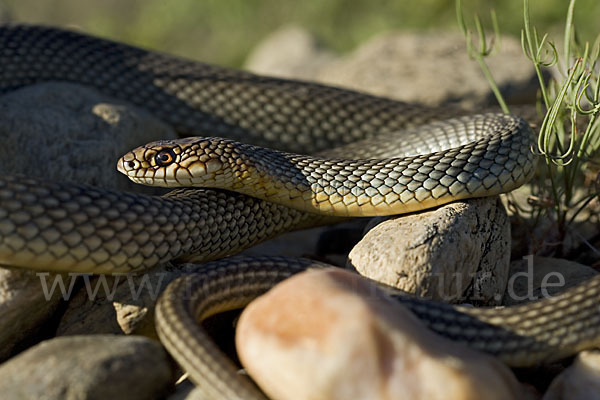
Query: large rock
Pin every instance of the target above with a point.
(431, 68)
(581, 381)
(456, 253)
(67, 132)
(88, 367)
(329, 334)
(61, 132)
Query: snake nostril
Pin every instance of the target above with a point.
(129, 164)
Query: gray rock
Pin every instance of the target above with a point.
(534, 277)
(581, 381)
(25, 304)
(88, 367)
(430, 68)
(121, 304)
(61, 132)
(68, 132)
(458, 252)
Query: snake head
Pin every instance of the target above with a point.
(195, 161)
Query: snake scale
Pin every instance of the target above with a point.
(430, 157)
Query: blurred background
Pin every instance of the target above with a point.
(225, 31)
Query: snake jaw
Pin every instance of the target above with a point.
(186, 169)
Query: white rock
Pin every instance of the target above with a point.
(89, 367)
(458, 252)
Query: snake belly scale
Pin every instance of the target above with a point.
(64, 226)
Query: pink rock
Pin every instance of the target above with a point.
(330, 334)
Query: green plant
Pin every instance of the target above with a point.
(483, 49)
(569, 134)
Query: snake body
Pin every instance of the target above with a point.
(64, 226)
(494, 158)
(525, 335)
(80, 228)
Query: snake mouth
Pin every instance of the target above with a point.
(174, 175)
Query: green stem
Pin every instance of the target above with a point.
(493, 85)
(569, 32)
(534, 52)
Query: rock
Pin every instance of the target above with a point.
(25, 305)
(120, 304)
(430, 68)
(365, 346)
(68, 132)
(581, 381)
(456, 253)
(433, 69)
(289, 52)
(537, 277)
(62, 132)
(88, 367)
(92, 310)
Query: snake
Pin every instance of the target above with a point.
(260, 156)
(494, 158)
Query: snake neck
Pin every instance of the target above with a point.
(302, 182)
(267, 174)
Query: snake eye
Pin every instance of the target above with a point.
(164, 157)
